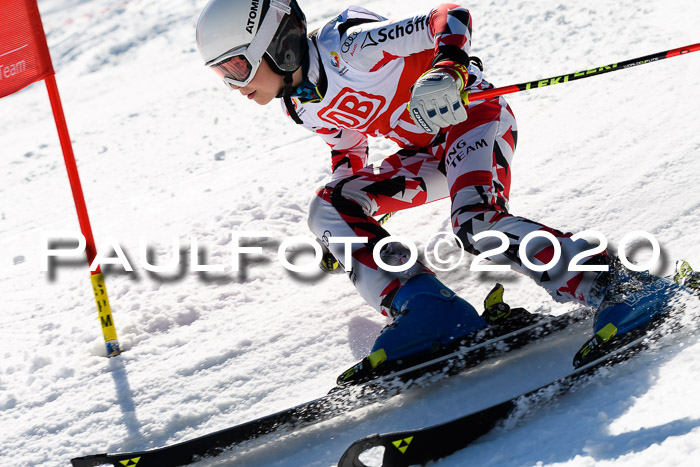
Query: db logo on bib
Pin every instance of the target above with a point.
(352, 109)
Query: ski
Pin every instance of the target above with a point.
(341, 399)
(464, 353)
(426, 444)
(510, 327)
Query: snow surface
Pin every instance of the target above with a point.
(165, 151)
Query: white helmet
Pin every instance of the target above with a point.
(233, 36)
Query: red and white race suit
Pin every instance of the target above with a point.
(370, 64)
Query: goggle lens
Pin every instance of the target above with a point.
(236, 68)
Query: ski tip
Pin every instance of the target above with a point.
(351, 456)
(91, 461)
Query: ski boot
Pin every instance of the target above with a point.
(629, 302)
(427, 317)
(499, 315)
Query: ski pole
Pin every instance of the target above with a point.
(540, 83)
(386, 217)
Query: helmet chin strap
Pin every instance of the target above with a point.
(286, 94)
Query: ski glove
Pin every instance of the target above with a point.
(436, 100)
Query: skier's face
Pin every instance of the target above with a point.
(264, 86)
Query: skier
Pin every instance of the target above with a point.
(363, 75)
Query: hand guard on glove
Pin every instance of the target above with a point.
(436, 100)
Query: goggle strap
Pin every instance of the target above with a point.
(268, 28)
(282, 5)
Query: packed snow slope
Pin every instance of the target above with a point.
(166, 152)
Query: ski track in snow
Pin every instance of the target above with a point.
(165, 151)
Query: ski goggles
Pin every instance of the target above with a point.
(237, 67)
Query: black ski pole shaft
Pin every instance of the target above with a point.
(468, 97)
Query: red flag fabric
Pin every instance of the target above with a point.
(24, 54)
